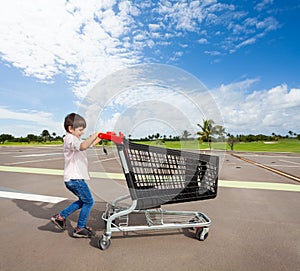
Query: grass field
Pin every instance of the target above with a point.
(283, 145)
(8, 143)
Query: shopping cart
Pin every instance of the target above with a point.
(155, 177)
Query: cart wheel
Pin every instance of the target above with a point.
(201, 233)
(103, 243)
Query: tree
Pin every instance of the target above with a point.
(186, 134)
(290, 133)
(45, 135)
(231, 141)
(4, 137)
(207, 131)
(32, 138)
(220, 131)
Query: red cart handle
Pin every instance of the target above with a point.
(112, 136)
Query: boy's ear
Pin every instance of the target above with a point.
(70, 128)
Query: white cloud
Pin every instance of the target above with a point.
(48, 38)
(268, 24)
(154, 27)
(263, 4)
(265, 111)
(149, 98)
(87, 40)
(213, 53)
(202, 41)
(143, 107)
(246, 42)
(171, 102)
(21, 123)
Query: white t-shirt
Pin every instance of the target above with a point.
(76, 162)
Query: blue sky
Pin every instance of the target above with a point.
(246, 53)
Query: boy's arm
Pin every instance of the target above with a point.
(92, 140)
(96, 141)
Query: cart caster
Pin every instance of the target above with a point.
(104, 242)
(201, 233)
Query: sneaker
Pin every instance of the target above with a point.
(59, 222)
(82, 233)
(89, 229)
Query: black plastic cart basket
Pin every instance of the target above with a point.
(155, 177)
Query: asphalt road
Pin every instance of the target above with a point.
(255, 218)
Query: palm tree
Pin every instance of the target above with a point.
(186, 134)
(219, 130)
(207, 131)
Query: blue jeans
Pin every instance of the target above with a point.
(85, 201)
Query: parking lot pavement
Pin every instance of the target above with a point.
(286, 162)
(252, 229)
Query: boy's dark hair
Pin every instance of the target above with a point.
(74, 120)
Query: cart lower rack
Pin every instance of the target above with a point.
(155, 177)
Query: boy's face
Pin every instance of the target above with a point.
(78, 132)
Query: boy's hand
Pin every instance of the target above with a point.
(96, 141)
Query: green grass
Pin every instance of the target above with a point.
(8, 143)
(283, 145)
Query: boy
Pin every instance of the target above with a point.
(75, 174)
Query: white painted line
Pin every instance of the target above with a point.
(120, 176)
(59, 172)
(40, 154)
(260, 185)
(277, 165)
(32, 170)
(30, 197)
(272, 156)
(107, 175)
(223, 183)
(289, 162)
(103, 160)
(33, 161)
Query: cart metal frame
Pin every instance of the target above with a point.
(157, 176)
